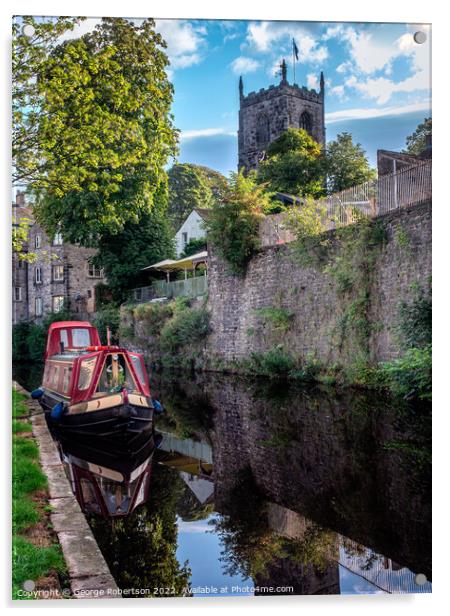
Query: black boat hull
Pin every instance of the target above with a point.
(103, 422)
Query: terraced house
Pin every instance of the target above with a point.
(60, 275)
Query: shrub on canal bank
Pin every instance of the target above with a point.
(30, 562)
(171, 333)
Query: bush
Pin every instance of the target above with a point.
(274, 363)
(233, 226)
(410, 376)
(188, 325)
(154, 315)
(415, 321)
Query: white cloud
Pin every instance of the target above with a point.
(264, 36)
(344, 67)
(184, 41)
(205, 132)
(338, 91)
(243, 65)
(371, 51)
(375, 112)
(312, 81)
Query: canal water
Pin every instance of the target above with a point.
(258, 488)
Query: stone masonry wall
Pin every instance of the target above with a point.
(274, 277)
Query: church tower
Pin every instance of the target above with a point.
(264, 115)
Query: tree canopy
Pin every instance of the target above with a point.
(192, 186)
(122, 256)
(416, 143)
(104, 130)
(346, 164)
(294, 164)
(29, 53)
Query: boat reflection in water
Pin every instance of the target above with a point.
(109, 477)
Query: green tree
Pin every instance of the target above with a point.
(346, 164)
(416, 143)
(192, 186)
(105, 132)
(294, 164)
(123, 256)
(29, 53)
(233, 227)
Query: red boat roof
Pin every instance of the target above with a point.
(65, 324)
(65, 331)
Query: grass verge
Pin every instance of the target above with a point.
(29, 561)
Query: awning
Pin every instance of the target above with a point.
(170, 265)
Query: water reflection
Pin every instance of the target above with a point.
(258, 489)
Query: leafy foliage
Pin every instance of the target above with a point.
(416, 143)
(346, 164)
(410, 375)
(187, 326)
(415, 321)
(193, 246)
(294, 164)
(104, 130)
(123, 255)
(275, 363)
(192, 186)
(29, 54)
(233, 227)
(307, 220)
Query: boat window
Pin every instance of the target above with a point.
(80, 337)
(66, 378)
(108, 382)
(117, 496)
(137, 365)
(141, 495)
(89, 497)
(64, 338)
(55, 376)
(87, 367)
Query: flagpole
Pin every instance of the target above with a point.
(293, 58)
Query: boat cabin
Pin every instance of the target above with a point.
(78, 368)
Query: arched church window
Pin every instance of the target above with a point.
(262, 130)
(306, 122)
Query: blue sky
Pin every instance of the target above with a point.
(378, 79)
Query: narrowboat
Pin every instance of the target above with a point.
(94, 388)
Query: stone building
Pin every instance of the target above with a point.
(61, 275)
(19, 266)
(264, 115)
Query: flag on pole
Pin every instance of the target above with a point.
(295, 49)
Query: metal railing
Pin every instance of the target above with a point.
(191, 287)
(373, 198)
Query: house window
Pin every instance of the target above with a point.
(21, 263)
(306, 122)
(89, 293)
(58, 273)
(94, 271)
(37, 241)
(38, 306)
(18, 294)
(38, 275)
(58, 239)
(184, 239)
(57, 303)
